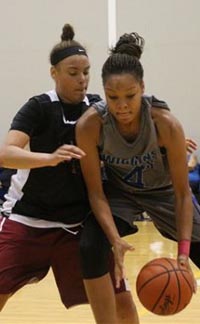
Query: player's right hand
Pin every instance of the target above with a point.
(120, 247)
(191, 145)
(65, 153)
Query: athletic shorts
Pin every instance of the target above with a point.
(126, 207)
(158, 204)
(95, 247)
(27, 253)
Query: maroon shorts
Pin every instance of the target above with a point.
(27, 253)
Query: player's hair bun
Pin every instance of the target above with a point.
(131, 44)
(67, 32)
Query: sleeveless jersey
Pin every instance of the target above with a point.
(137, 166)
(51, 193)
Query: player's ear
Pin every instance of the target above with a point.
(142, 86)
(53, 72)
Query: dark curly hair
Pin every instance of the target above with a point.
(124, 57)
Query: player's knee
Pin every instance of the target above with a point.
(126, 308)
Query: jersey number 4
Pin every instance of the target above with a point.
(135, 177)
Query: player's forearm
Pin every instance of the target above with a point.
(104, 216)
(18, 158)
(184, 217)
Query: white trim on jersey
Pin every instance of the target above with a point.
(15, 192)
(54, 97)
(2, 222)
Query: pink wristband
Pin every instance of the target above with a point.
(184, 247)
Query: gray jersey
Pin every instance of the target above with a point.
(138, 178)
(136, 166)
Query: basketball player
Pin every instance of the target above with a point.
(144, 154)
(47, 203)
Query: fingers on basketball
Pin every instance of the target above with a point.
(164, 287)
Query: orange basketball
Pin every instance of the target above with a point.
(163, 287)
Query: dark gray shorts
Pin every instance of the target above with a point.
(159, 205)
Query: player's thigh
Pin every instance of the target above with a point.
(94, 249)
(21, 260)
(162, 212)
(66, 267)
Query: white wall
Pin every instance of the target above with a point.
(28, 31)
(171, 57)
(30, 28)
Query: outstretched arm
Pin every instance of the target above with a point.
(171, 136)
(14, 155)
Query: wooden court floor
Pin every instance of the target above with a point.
(40, 303)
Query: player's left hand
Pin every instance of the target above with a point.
(183, 261)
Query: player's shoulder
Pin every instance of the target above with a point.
(164, 117)
(40, 99)
(167, 126)
(89, 117)
(93, 98)
(155, 102)
(90, 122)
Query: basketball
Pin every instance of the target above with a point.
(163, 287)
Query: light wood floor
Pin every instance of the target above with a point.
(40, 303)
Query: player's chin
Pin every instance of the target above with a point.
(124, 118)
(79, 96)
(124, 121)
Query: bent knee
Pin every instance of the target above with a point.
(126, 308)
